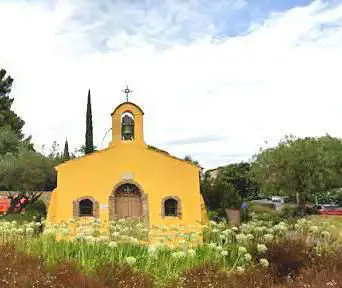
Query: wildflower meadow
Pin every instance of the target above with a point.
(175, 250)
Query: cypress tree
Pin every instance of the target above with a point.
(89, 146)
(66, 155)
(7, 116)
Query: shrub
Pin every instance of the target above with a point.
(66, 275)
(34, 211)
(205, 276)
(18, 270)
(288, 211)
(265, 213)
(261, 208)
(213, 215)
(37, 208)
(287, 256)
(123, 276)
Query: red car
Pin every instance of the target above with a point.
(329, 210)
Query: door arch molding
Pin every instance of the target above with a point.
(113, 198)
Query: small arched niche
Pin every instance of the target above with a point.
(85, 206)
(127, 126)
(171, 207)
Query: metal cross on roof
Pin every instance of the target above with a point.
(127, 91)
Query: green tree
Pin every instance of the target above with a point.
(238, 175)
(219, 194)
(89, 145)
(9, 141)
(189, 159)
(5, 83)
(300, 168)
(27, 173)
(66, 155)
(7, 116)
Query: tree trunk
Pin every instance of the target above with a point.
(297, 199)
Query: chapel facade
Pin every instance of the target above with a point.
(128, 179)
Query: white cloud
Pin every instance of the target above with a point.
(280, 78)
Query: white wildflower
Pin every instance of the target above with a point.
(248, 257)
(242, 250)
(264, 262)
(261, 248)
(131, 260)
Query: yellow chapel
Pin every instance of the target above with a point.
(128, 179)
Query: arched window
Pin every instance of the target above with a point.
(171, 207)
(127, 126)
(86, 208)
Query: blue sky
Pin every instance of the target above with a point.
(216, 79)
(183, 21)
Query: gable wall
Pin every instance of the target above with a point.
(159, 176)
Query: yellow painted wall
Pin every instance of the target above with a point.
(158, 174)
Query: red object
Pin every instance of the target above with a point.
(330, 212)
(4, 205)
(6, 202)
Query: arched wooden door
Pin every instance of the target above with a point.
(128, 201)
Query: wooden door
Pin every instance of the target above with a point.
(128, 206)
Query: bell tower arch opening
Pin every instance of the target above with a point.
(127, 126)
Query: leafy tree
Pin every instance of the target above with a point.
(219, 195)
(66, 155)
(9, 141)
(89, 146)
(238, 175)
(300, 167)
(7, 116)
(25, 173)
(5, 83)
(230, 196)
(189, 159)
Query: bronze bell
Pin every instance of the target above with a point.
(127, 129)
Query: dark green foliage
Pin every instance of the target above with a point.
(230, 197)
(26, 171)
(189, 159)
(23, 170)
(37, 208)
(34, 211)
(235, 179)
(5, 83)
(9, 141)
(300, 167)
(220, 195)
(288, 211)
(7, 116)
(66, 155)
(89, 145)
(238, 175)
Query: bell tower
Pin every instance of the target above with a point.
(127, 124)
